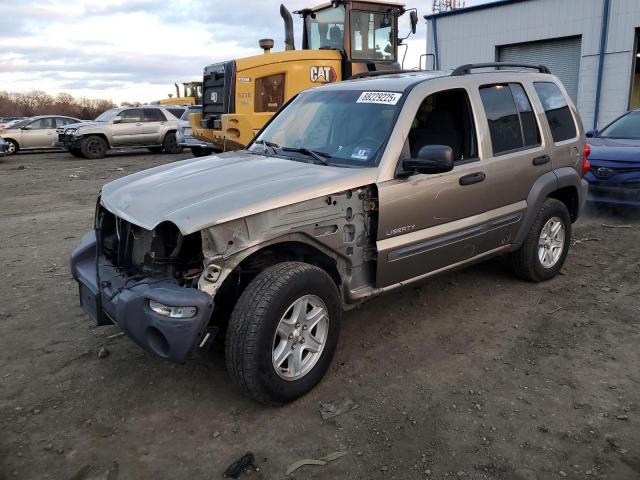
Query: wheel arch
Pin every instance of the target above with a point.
(563, 184)
(97, 134)
(251, 262)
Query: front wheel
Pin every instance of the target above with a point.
(12, 146)
(76, 152)
(545, 249)
(170, 143)
(93, 147)
(283, 332)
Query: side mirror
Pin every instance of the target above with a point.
(591, 133)
(117, 119)
(413, 17)
(431, 159)
(26, 127)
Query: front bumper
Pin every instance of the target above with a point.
(66, 141)
(109, 296)
(614, 195)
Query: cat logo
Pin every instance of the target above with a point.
(323, 74)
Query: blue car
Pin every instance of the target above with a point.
(614, 177)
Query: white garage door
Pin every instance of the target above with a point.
(561, 55)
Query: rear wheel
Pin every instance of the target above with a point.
(283, 332)
(170, 143)
(12, 146)
(545, 249)
(155, 149)
(93, 147)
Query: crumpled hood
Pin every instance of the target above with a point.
(614, 149)
(84, 125)
(201, 192)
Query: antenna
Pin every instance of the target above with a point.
(447, 5)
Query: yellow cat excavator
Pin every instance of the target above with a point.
(192, 95)
(339, 39)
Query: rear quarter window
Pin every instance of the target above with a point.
(176, 112)
(557, 111)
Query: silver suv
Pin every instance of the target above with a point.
(185, 136)
(350, 191)
(148, 126)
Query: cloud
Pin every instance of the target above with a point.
(136, 49)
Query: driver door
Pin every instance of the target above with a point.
(130, 129)
(430, 222)
(39, 133)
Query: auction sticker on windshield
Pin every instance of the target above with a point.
(387, 98)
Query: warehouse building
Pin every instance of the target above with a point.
(591, 45)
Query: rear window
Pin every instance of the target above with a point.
(176, 112)
(512, 123)
(557, 110)
(189, 111)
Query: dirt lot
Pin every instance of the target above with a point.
(472, 375)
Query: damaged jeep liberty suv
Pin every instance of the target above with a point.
(351, 190)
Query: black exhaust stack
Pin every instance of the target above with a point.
(288, 28)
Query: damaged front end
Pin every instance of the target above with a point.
(145, 282)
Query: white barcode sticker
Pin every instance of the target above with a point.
(387, 98)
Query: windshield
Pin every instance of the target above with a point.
(108, 115)
(625, 127)
(346, 128)
(372, 36)
(326, 28)
(18, 123)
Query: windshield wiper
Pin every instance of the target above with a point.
(265, 144)
(317, 156)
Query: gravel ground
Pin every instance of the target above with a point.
(473, 375)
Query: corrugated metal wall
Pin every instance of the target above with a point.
(477, 35)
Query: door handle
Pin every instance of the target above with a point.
(472, 178)
(541, 160)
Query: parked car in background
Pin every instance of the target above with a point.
(3, 147)
(353, 189)
(185, 137)
(149, 126)
(34, 132)
(615, 161)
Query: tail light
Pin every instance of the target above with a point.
(586, 166)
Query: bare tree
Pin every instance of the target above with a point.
(447, 5)
(15, 104)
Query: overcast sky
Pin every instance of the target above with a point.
(134, 50)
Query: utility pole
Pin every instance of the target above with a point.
(446, 5)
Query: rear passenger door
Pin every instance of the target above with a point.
(154, 122)
(516, 150)
(561, 123)
(130, 129)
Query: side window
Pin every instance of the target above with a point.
(512, 123)
(269, 93)
(42, 124)
(561, 122)
(153, 115)
(133, 115)
(445, 118)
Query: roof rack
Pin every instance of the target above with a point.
(466, 69)
(377, 73)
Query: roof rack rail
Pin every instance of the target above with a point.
(466, 69)
(377, 73)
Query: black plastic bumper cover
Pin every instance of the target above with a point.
(125, 301)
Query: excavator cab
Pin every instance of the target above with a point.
(193, 90)
(366, 33)
(339, 40)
